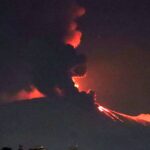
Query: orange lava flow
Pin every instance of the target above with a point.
(143, 119)
(108, 113)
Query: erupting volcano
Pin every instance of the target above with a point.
(54, 61)
(49, 103)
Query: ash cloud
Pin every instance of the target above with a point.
(33, 49)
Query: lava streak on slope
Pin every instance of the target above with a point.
(143, 119)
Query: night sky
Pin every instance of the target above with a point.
(115, 39)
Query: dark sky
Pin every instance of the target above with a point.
(116, 38)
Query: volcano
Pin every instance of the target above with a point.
(58, 123)
(39, 58)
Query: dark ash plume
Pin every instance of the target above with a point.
(32, 47)
(54, 65)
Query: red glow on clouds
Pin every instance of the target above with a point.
(80, 11)
(73, 36)
(34, 93)
(80, 83)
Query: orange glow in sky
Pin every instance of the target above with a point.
(34, 93)
(74, 38)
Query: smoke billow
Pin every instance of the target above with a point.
(35, 43)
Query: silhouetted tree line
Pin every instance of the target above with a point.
(73, 147)
(21, 148)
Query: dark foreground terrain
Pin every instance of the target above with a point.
(58, 123)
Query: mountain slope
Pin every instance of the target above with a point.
(58, 123)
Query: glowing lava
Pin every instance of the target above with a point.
(143, 119)
(108, 113)
(75, 83)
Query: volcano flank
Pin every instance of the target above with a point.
(58, 123)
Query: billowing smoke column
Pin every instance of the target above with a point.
(36, 52)
(73, 36)
(53, 70)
